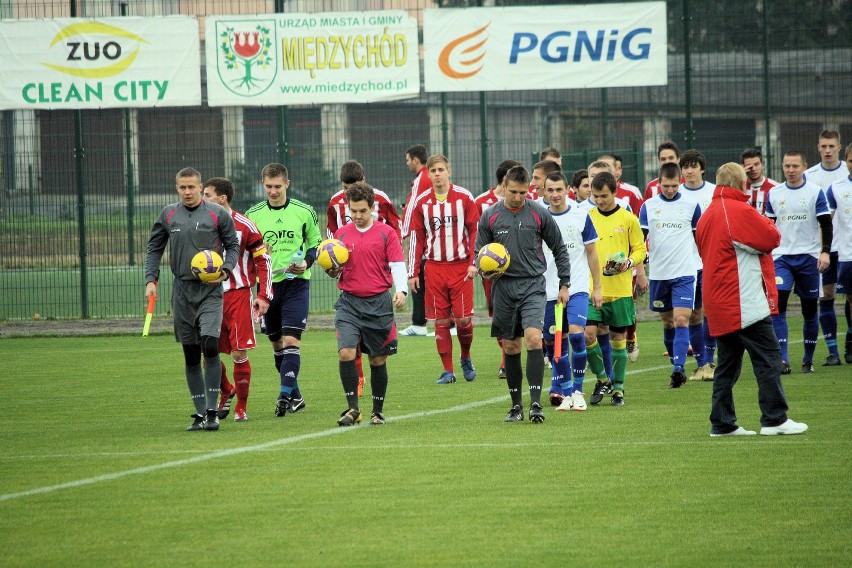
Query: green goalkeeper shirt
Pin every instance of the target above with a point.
(287, 229)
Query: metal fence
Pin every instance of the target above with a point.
(80, 189)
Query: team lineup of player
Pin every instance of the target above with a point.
(579, 248)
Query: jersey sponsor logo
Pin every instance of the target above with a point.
(794, 218)
(272, 237)
(668, 225)
(436, 223)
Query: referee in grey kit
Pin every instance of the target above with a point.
(519, 297)
(190, 226)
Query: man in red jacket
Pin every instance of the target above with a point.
(739, 295)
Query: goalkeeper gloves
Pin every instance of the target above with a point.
(613, 267)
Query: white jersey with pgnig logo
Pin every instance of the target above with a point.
(795, 210)
(577, 231)
(670, 224)
(840, 203)
(822, 177)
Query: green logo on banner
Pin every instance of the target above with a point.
(246, 56)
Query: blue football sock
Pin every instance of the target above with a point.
(578, 359)
(810, 334)
(709, 344)
(606, 353)
(668, 341)
(696, 338)
(680, 347)
(828, 323)
(779, 324)
(290, 364)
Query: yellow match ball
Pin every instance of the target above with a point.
(207, 265)
(493, 257)
(332, 253)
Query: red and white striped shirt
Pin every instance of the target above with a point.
(631, 194)
(419, 185)
(485, 200)
(253, 265)
(383, 210)
(760, 194)
(442, 230)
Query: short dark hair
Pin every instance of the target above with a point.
(670, 170)
(557, 176)
(274, 170)
(504, 167)
(188, 173)
(751, 153)
(799, 153)
(578, 177)
(549, 152)
(547, 166)
(517, 174)
(222, 186)
(692, 158)
(361, 191)
(418, 151)
(848, 151)
(668, 145)
(830, 133)
(604, 180)
(351, 171)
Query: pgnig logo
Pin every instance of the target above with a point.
(246, 56)
(466, 55)
(462, 57)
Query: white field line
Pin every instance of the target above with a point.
(257, 447)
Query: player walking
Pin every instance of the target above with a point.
(363, 313)
(443, 230)
(800, 212)
(579, 236)
(190, 226)
(519, 294)
(240, 310)
(291, 232)
(668, 222)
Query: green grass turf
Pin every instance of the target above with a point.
(445, 482)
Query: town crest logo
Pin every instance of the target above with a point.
(245, 55)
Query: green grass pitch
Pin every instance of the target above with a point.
(97, 469)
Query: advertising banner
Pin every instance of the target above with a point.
(76, 63)
(283, 59)
(545, 47)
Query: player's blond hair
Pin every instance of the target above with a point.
(731, 175)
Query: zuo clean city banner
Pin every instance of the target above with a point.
(340, 57)
(545, 47)
(99, 63)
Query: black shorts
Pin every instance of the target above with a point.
(367, 322)
(829, 275)
(289, 306)
(518, 305)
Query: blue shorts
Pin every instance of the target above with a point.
(829, 276)
(844, 277)
(699, 295)
(665, 295)
(799, 270)
(573, 314)
(289, 306)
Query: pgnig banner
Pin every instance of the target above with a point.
(545, 47)
(99, 63)
(340, 57)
